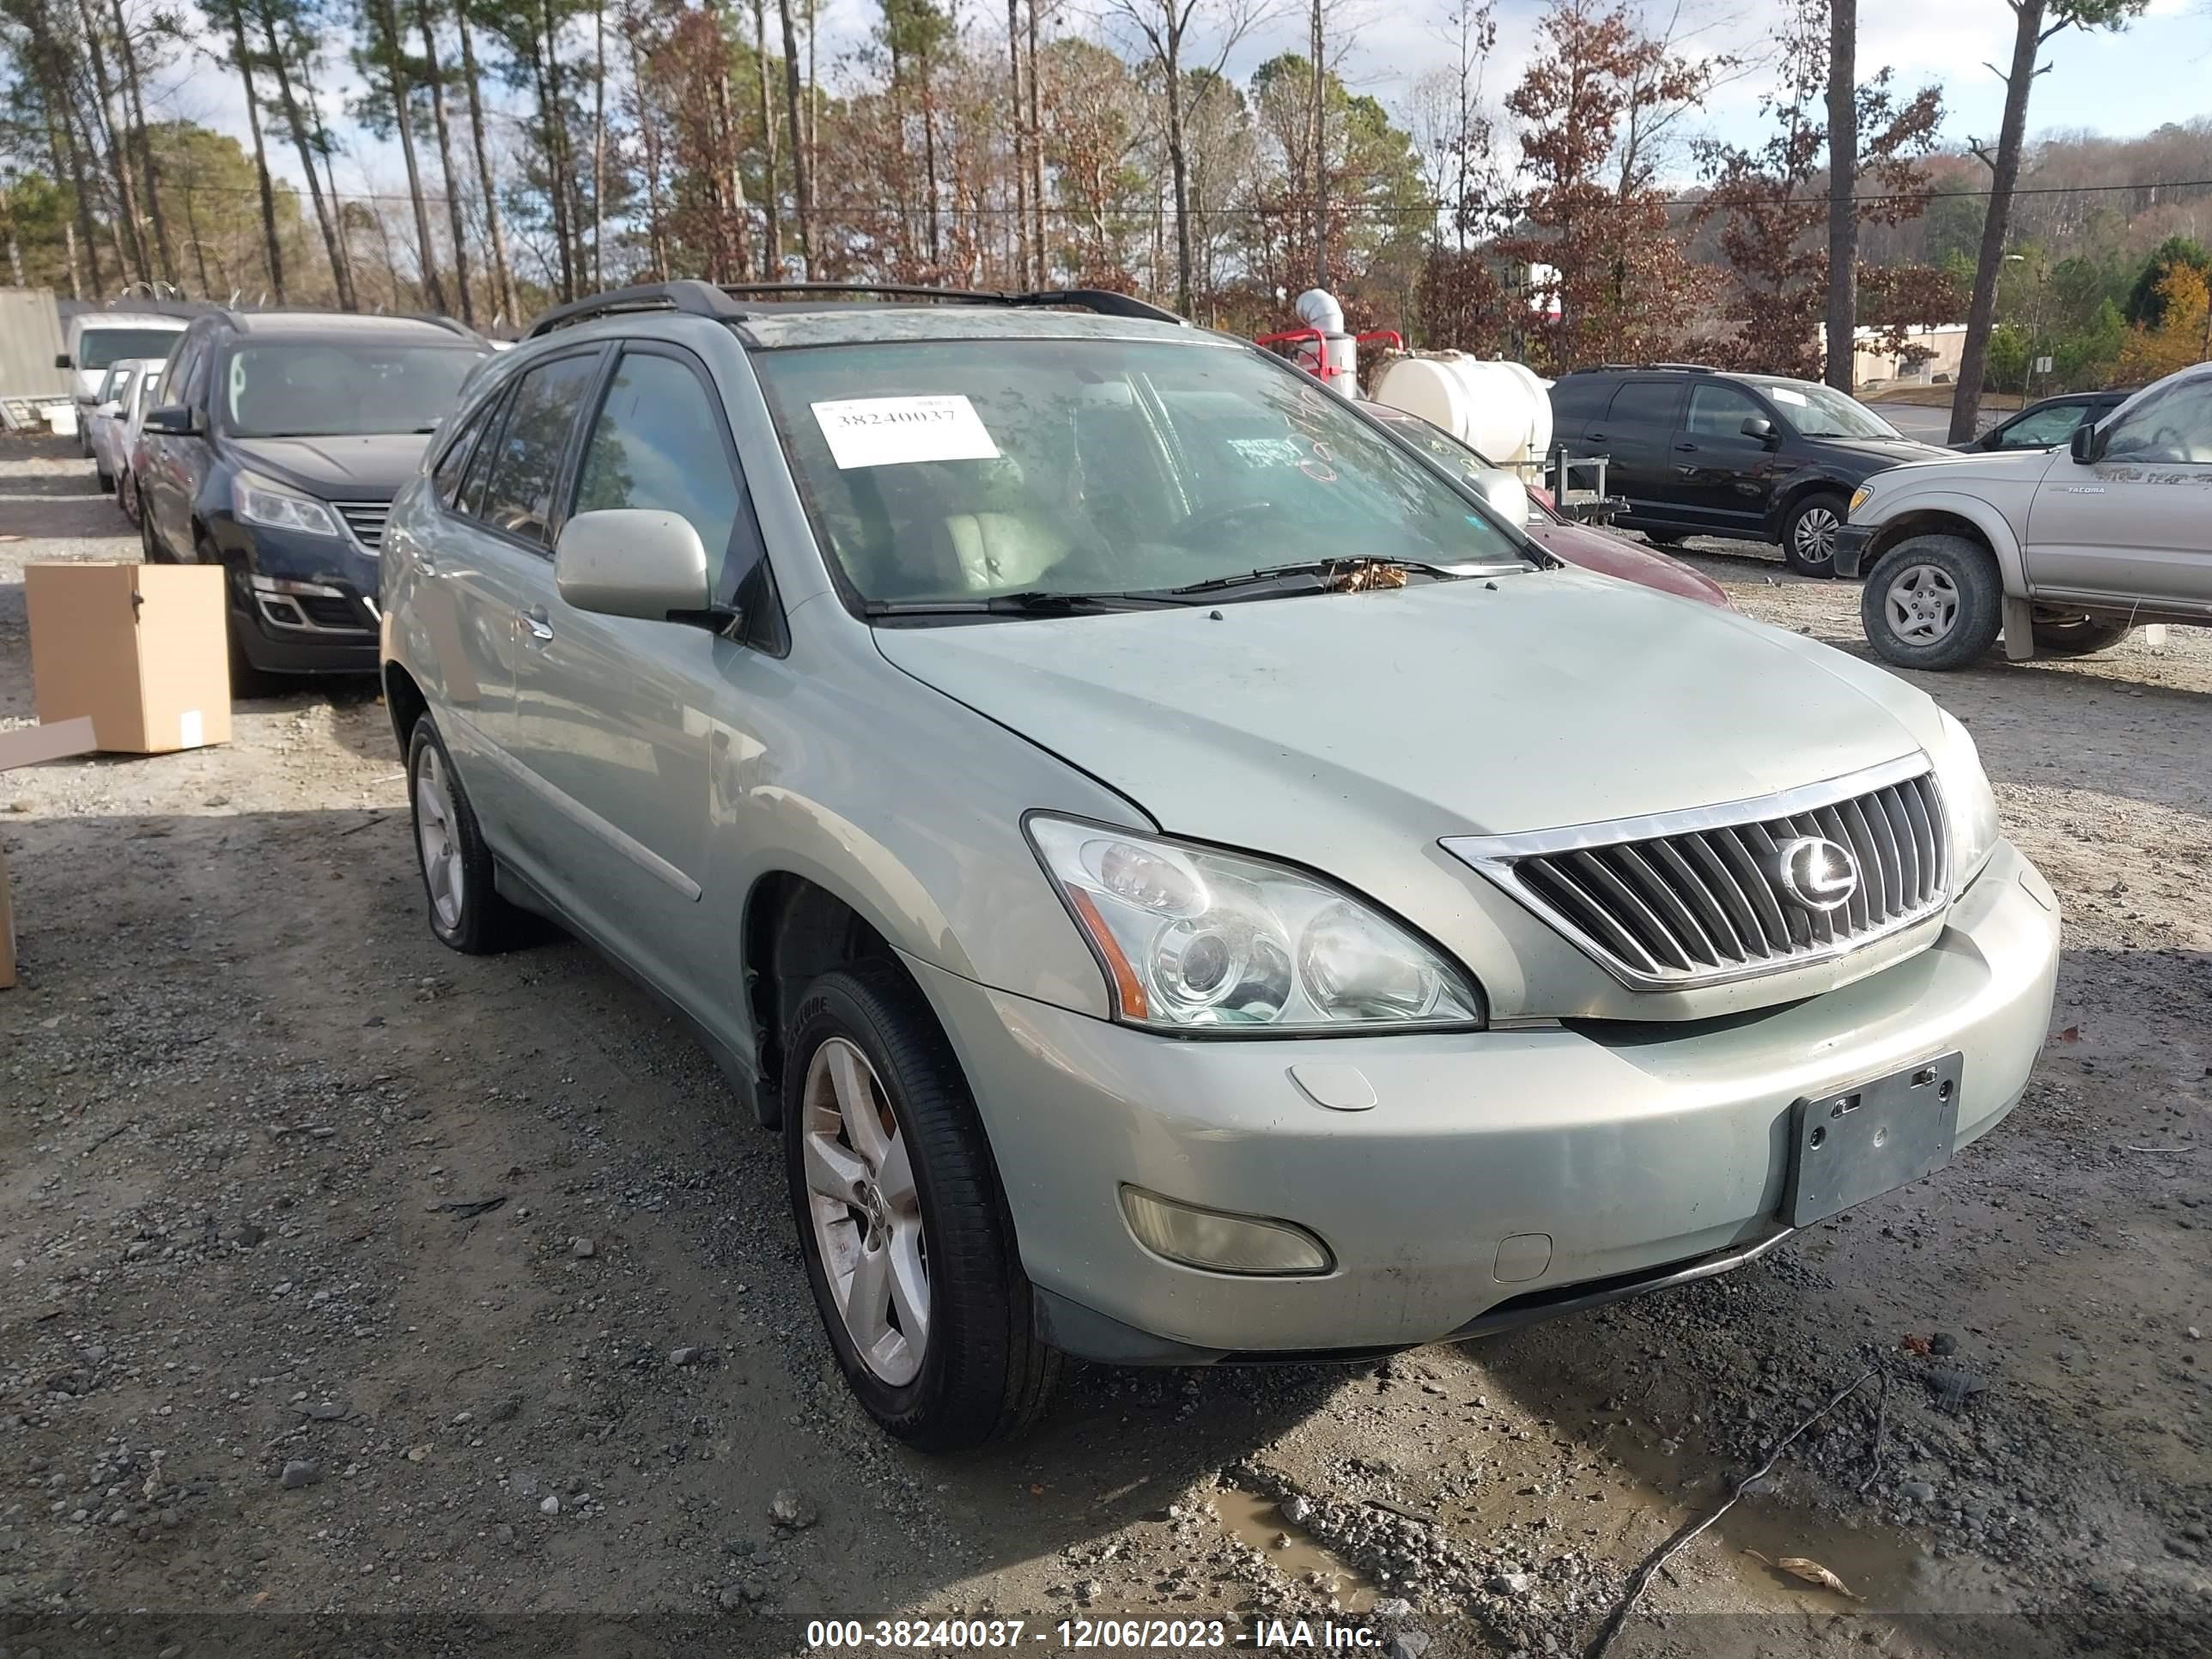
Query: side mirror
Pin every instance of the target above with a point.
(1757, 426)
(62, 360)
(2083, 445)
(110, 409)
(1507, 495)
(176, 419)
(638, 562)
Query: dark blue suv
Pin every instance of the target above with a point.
(280, 440)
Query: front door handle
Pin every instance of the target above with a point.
(540, 625)
(1691, 447)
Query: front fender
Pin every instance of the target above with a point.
(1813, 475)
(1918, 512)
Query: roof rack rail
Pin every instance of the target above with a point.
(722, 300)
(1105, 302)
(688, 295)
(1646, 368)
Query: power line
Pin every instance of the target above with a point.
(1373, 209)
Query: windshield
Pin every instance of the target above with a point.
(99, 348)
(1821, 411)
(325, 390)
(1067, 466)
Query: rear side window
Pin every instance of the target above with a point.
(525, 468)
(1645, 402)
(1578, 399)
(658, 443)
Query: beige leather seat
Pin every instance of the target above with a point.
(998, 551)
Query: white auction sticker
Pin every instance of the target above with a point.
(896, 431)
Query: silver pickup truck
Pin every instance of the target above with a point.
(2063, 552)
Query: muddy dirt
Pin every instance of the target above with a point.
(359, 1296)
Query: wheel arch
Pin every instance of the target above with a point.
(1795, 488)
(796, 926)
(1952, 515)
(403, 702)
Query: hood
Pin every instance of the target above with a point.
(1947, 465)
(1873, 453)
(370, 468)
(1310, 726)
(1616, 556)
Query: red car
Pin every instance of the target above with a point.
(1579, 544)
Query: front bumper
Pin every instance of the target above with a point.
(1851, 541)
(301, 604)
(1519, 1171)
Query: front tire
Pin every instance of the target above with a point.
(2058, 634)
(466, 913)
(907, 1250)
(1934, 603)
(107, 480)
(1808, 532)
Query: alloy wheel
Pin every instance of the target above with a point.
(1923, 603)
(439, 835)
(867, 1211)
(1815, 535)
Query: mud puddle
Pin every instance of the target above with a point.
(1259, 1521)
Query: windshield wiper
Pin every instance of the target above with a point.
(1323, 570)
(1035, 602)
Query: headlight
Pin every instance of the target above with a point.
(1859, 499)
(1192, 939)
(258, 501)
(1970, 809)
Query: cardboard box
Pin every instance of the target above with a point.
(26, 746)
(140, 648)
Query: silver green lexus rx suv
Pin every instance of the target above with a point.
(1186, 881)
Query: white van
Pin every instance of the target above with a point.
(98, 340)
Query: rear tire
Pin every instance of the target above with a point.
(107, 480)
(909, 1213)
(2077, 636)
(1933, 603)
(466, 912)
(1808, 532)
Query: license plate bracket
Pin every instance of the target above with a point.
(1871, 1137)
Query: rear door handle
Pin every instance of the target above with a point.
(1690, 447)
(540, 626)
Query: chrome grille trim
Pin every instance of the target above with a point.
(366, 521)
(1675, 900)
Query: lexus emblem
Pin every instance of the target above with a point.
(1816, 873)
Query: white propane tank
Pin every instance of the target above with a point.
(1502, 409)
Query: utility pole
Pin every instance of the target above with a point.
(1320, 153)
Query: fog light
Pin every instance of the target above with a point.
(1221, 1244)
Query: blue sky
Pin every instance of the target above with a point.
(2157, 72)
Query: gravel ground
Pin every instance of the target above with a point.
(358, 1296)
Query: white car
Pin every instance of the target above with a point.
(111, 411)
(98, 340)
(129, 426)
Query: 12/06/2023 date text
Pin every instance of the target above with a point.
(1090, 1635)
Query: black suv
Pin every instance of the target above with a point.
(1699, 452)
(281, 439)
